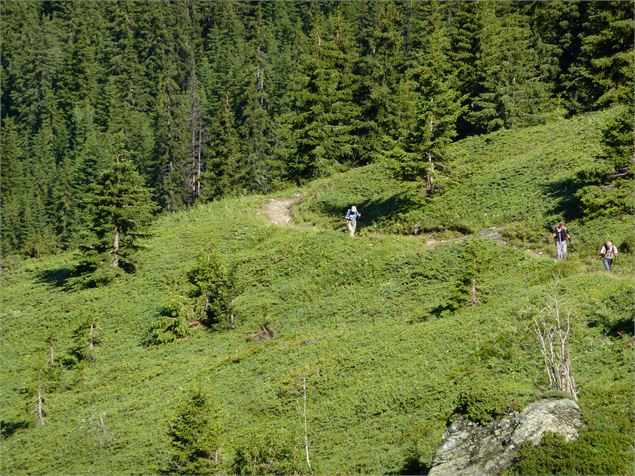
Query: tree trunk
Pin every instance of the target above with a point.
(430, 175)
(39, 405)
(306, 428)
(115, 249)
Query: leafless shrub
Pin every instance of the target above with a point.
(265, 332)
(553, 329)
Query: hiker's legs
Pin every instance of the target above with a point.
(351, 227)
(607, 263)
(561, 250)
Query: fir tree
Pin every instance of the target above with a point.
(120, 208)
(194, 437)
(436, 105)
(512, 92)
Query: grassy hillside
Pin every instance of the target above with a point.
(360, 320)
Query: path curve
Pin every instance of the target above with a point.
(278, 210)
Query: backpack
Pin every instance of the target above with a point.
(609, 252)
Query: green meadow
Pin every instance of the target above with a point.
(371, 326)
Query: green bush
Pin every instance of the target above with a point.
(587, 455)
(212, 288)
(171, 325)
(268, 453)
(479, 403)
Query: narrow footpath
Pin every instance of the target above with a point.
(278, 211)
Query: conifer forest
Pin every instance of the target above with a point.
(205, 99)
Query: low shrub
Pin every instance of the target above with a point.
(212, 287)
(171, 325)
(268, 453)
(479, 404)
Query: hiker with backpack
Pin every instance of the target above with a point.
(608, 254)
(561, 237)
(351, 219)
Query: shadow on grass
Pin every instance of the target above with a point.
(374, 210)
(55, 277)
(567, 204)
(8, 428)
(413, 466)
(620, 328)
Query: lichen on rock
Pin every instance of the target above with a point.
(469, 448)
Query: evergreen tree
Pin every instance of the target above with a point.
(40, 189)
(320, 130)
(512, 92)
(85, 338)
(608, 183)
(172, 142)
(12, 190)
(603, 74)
(255, 104)
(557, 29)
(83, 71)
(380, 71)
(222, 156)
(81, 168)
(120, 207)
(464, 29)
(436, 104)
(212, 287)
(194, 437)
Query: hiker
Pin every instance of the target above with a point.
(561, 237)
(608, 254)
(351, 219)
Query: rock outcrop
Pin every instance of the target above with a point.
(472, 449)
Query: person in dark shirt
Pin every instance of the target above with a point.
(561, 237)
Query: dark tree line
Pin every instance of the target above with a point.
(205, 99)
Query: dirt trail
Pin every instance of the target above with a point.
(278, 210)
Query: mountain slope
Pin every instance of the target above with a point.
(359, 320)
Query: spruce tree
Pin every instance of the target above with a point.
(436, 105)
(464, 29)
(12, 190)
(256, 136)
(320, 131)
(194, 437)
(512, 91)
(380, 70)
(222, 156)
(120, 208)
(603, 74)
(608, 183)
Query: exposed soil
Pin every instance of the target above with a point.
(278, 210)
